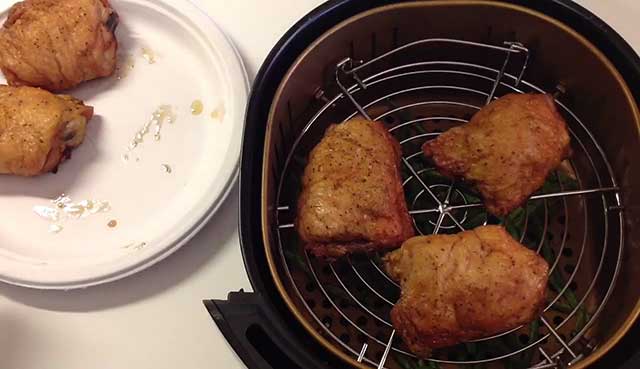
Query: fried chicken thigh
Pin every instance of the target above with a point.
(507, 149)
(352, 198)
(465, 286)
(38, 129)
(57, 44)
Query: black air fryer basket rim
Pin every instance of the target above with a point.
(286, 52)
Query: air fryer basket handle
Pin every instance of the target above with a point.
(260, 343)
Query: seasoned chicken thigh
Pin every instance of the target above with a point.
(352, 198)
(465, 286)
(38, 129)
(57, 44)
(507, 149)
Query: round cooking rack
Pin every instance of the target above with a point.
(451, 207)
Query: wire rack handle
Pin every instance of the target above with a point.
(349, 67)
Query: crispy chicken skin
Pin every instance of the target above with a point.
(507, 149)
(38, 129)
(57, 44)
(464, 286)
(352, 198)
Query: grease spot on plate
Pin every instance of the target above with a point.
(218, 113)
(55, 228)
(196, 107)
(148, 55)
(64, 209)
(163, 114)
(135, 245)
(125, 65)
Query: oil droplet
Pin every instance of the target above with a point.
(64, 209)
(47, 213)
(166, 168)
(125, 157)
(196, 107)
(99, 207)
(125, 65)
(112, 223)
(148, 55)
(135, 246)
(218, 113)
(163, 114)
(75, 211)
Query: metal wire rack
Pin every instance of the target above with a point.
(418, 100)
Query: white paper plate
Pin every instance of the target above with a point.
(156, 212)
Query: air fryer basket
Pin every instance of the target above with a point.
(423, 67)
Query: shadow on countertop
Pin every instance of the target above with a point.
(162, 276)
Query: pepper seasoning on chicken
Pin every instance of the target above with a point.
(507, 150)
(57, 44)
(352, 199)
(465, 286)
(38, 129)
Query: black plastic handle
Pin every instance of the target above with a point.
(260, 342)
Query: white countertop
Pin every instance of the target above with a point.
(155, 319)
